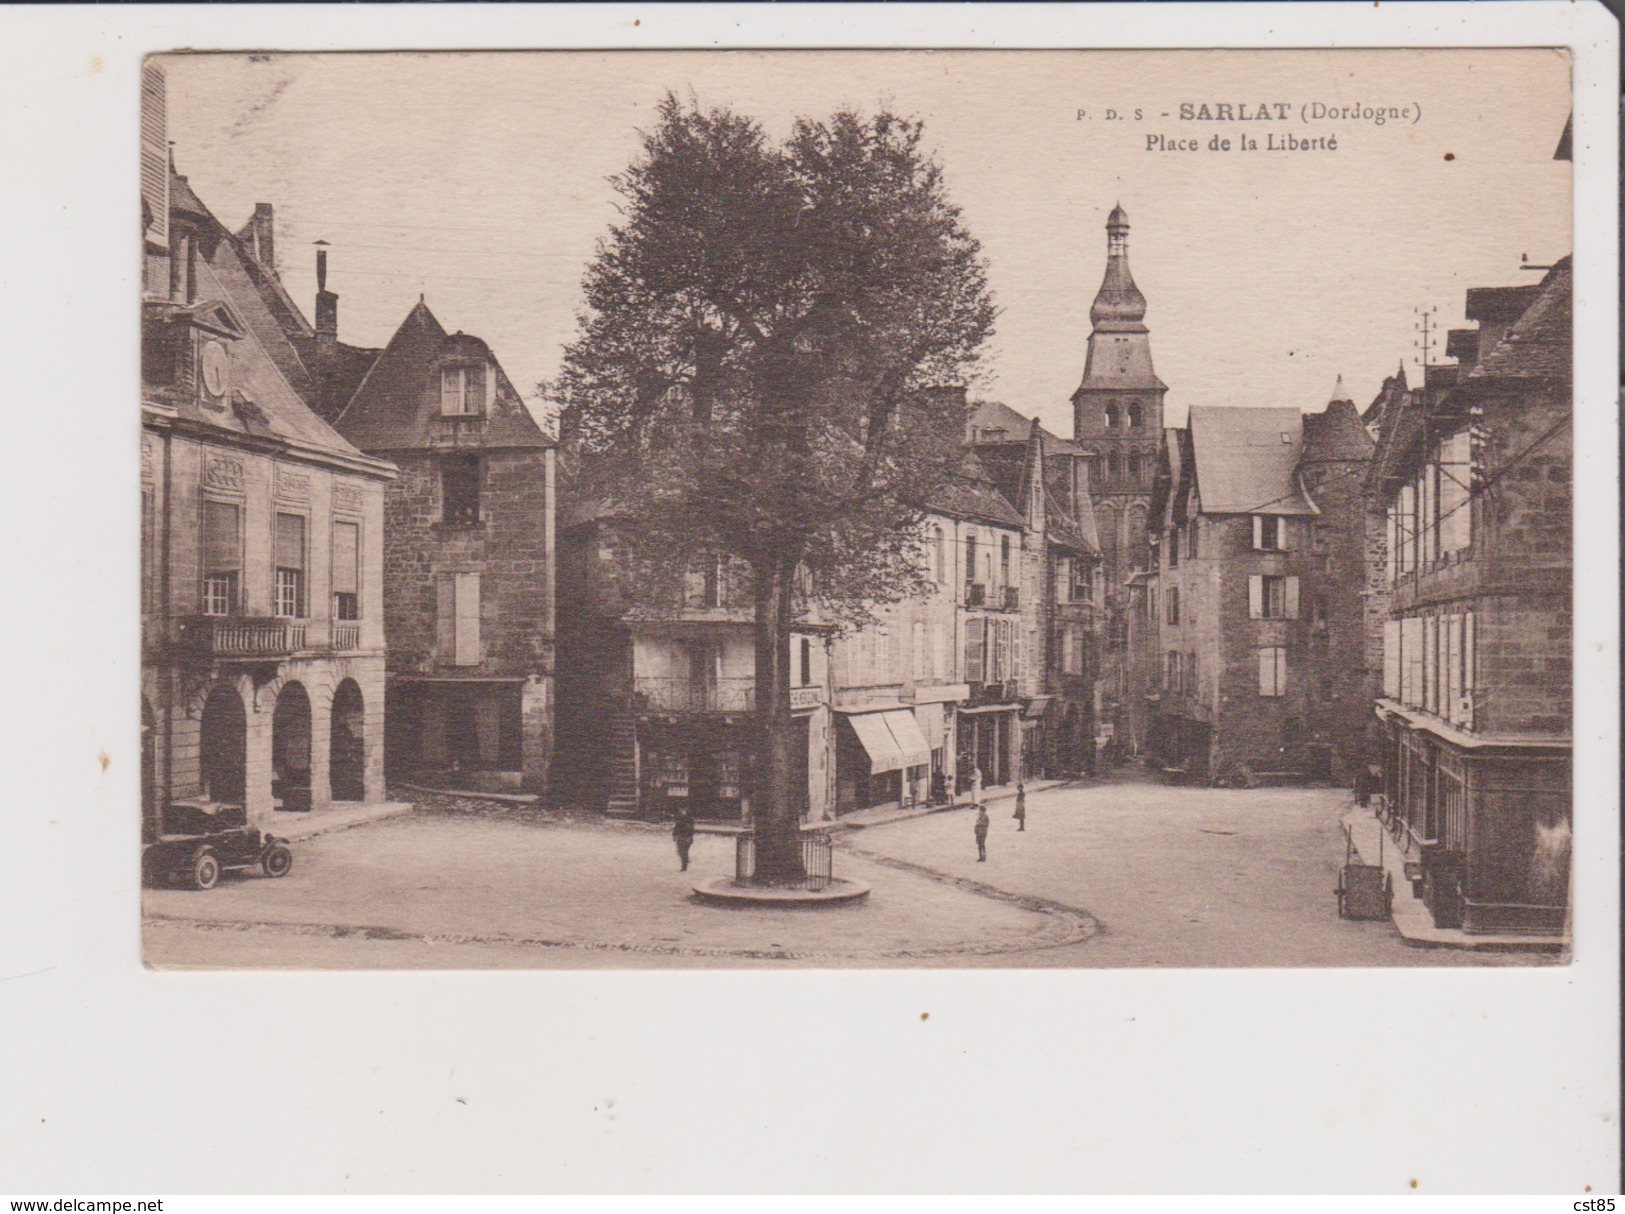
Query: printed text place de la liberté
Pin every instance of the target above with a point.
(1253, 138)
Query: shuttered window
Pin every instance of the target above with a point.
(975, 642)
(222, 556)
(1469, 673)
(458, 619)
(462, 390)
(1270, 597)
(1455, 479)
(1452, 667)
(1410, 685)
(1430, 663)
(1390, 659)
(1272, 671)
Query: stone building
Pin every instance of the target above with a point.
(261, 540)
(1047, 479)
(1474, 475)
(656, 689)
(1118, 415)
(469, 527)
(1260, 623)
(468, 557)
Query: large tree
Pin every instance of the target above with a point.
(754, 370)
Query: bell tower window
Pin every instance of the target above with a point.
(1135, 417)
(1111, 417)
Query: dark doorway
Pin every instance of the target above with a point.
(290, 749)
(347, 760)
(223, 747)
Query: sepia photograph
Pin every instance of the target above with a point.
(830, 509)
(872, 599)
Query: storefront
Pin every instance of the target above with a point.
(988, 742)
(882, 758)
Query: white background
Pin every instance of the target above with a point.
(116, 1080)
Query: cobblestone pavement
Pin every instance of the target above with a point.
(466, 885)
(1175, 876)
(1123, 872)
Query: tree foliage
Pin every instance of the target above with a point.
(761, 331)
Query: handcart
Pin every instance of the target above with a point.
(1364, 891)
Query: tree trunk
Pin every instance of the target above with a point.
(775, 811)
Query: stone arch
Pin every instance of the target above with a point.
(1134, 471)
(223, 744)
(291, 747)
(1111, 416)
(1136, 416)
(347, 761)
(1114, 466)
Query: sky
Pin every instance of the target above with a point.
(481, 181)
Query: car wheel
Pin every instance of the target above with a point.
(277, 861)
(205, 869)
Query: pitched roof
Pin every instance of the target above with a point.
(1540, 343)
(1247, 460)
(1336, 434)
(992, 415)
(397, 404)
(972, 494)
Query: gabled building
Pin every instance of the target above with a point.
(1473, 473)
(469, 529)
(1259, 619)
(468, 559)
(261, 541)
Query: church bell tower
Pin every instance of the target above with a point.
(1117, 410)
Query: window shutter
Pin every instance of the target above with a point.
(346, 558)
(974, 632)
(1280, 671)
(1390, 659)
(1292, 598)
(490, 372)
(1430, 663)
(451, 390)
(290, 541)
(467, 642)
(1255, 593)
(222, 537)
(1258, 531)
(1266, 672)
(446, 617)
(1469, 673)
(1452, 662)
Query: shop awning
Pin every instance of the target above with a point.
(1037, 706)
(892, 739)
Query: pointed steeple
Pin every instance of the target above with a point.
(1119, 307)
(1339, 392)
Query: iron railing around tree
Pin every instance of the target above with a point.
(817, 861)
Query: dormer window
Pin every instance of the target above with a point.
(462, 390)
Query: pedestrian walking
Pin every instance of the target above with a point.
(1021, 807)
(981, 833)
(682, 834)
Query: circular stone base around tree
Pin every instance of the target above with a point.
(725, 891)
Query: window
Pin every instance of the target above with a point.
(1111, 417)
(1135, 416)
(346, 571)
(460, 489)
(806, 663)
(1112, 465)
(970, 561)
(1410, 670)
(1271, 597)
(1191, 546)
(289, 590)
(222, 556)
(1390, 659)
(457, 619)
(975, 644)
(1173, 548)
(1004, 560)
(1269, 532)
(1171, 671)
(1173, 604)
(1272, 671)
(462, 390)
(942, 558)
(1134, 465)
(1405, 531)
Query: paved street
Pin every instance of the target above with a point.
(1127, 873)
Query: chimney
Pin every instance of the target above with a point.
(262, 236)
(327, 309)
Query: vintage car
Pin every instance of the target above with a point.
(201, 838)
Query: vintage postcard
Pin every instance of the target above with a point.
(761, 598)
(827, 509)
